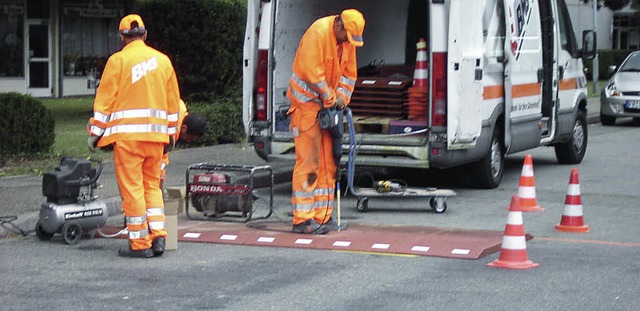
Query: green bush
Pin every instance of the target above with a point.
(224, 121)
(26, 126)
(204, 40)
(606, 58)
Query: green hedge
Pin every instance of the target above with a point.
(26, 126)
(204, 40)
(606, 58)
(224, 121)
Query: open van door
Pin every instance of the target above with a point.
(523, 74)
(464, 65)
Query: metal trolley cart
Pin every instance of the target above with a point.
(221, 192)
(387, 188)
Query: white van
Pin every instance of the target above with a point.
(504, 76)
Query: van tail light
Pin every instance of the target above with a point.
(439, 98)
(261, 86)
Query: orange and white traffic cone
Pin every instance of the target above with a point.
(527, 188)
(572, 220)
(421, 72)
(513, 254)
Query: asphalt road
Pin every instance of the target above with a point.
(594, 271)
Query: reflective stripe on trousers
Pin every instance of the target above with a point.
(314, 174)
(137, 167)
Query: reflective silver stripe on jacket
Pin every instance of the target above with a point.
(172, 117)
(136, 128)
(315, 89)
(346, 93)
(347, 81)
(304, 98)
(101, 117)
(97, 130)
(156, 224)
(138, 113)
(172, 130)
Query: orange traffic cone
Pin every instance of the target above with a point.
(513, 254)
(572, 216)
(421, 72)
(527, 188)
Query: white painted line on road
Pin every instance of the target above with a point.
(266, 239)
(229, 237)
(304, 241)
(342, 243)
(458, 251)
(192, 235)
(380, 246)
(419, 248)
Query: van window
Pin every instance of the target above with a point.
(567, 38)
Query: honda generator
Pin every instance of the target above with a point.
(72, 206)
(222, 192)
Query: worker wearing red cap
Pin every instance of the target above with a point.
(324, 75)
(136, 112)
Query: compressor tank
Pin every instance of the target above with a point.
(88, 216)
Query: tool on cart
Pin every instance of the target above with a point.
(72, 206)
(388, 188)
(222, 192)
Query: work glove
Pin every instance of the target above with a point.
(168, 147)
(92, 142)
(339, 103)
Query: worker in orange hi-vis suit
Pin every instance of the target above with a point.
(136, 112)
(324, 76)
(190, 129)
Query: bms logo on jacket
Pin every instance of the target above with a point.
(140, 70)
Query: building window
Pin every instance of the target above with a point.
(89, 35)
(11, 39)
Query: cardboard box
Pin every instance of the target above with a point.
(173, 205)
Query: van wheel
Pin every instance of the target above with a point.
(572, 151)
(487, 173)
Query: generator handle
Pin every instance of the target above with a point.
(85, 182)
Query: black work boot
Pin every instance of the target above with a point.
(332, 225)
(128, 252)
(157, 246)
(309, 227)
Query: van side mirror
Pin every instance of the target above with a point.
(588, 44)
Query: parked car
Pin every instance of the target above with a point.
(621, 95)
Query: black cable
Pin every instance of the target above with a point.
(6, 221)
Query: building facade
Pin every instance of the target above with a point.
(55, 48)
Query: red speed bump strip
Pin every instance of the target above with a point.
(389, 239)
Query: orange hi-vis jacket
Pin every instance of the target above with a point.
(127, 107)
(319, 73)
(165, 157)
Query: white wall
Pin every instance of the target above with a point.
(12, 85)
(582, 19)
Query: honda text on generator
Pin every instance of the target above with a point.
(501, 77)
(71, 208)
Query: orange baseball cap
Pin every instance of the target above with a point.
(353, 22)
(132, 25)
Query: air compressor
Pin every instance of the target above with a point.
(72, 206)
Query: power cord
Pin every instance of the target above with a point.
(7, 223)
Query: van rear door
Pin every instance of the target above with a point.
(465, 64)
(523, 75)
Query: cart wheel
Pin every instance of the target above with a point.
(71, 233)
(438, 204)
(363, 204)
(41, 234)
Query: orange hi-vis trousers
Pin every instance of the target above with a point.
(314, 174)
(137, 167)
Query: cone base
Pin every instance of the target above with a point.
(518, 265)
(574, 229)
(535, 208)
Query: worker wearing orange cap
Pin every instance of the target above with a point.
(324, 75)
(136, 112)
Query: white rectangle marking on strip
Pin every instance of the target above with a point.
(418, 248)
(380, 246)
(304, 241)
(192, 235)
(342, 243)
(458, 251)
(229, 237)
(266, 239)
(395, 82)
(369, 82)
